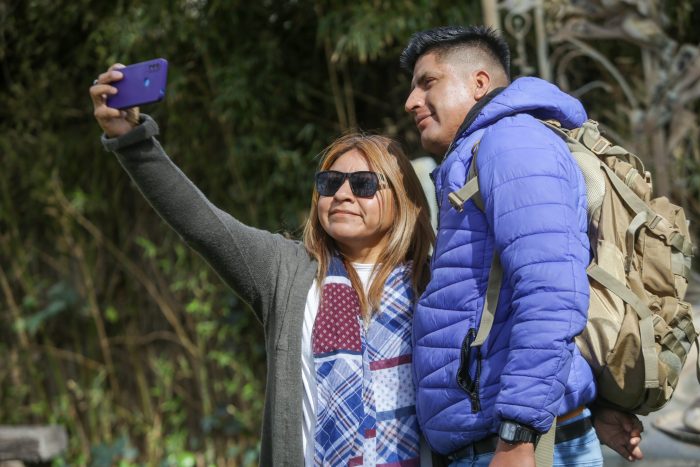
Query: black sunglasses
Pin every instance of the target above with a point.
(363, 184)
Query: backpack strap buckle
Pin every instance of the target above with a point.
(471, 189)
(600, 146)
(456, 201)
(464, 194)
(655, 221)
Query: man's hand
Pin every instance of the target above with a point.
(513, 455)
(114, 122)
(620, 431)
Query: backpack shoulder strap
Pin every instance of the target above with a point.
(470, 190)
(491, 301)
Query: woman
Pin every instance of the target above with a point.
(336, 309)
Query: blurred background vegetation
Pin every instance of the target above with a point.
(109, 325)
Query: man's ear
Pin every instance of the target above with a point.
(482, 84)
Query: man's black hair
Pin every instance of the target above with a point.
(448, 37)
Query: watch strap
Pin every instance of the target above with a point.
(513, 432)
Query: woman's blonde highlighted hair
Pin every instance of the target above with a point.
(410, 237)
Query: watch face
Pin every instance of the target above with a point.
(511, 432)
(507, 431)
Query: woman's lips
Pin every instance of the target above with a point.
(342, 212)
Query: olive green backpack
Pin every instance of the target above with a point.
(639, 330)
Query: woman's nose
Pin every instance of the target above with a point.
(344, 191)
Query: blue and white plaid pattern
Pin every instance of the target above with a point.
(366, 398)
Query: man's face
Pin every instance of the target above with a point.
(441, 96)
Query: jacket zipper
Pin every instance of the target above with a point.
(464, 379)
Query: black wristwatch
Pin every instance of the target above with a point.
(512, 433)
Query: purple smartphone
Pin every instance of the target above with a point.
(143, 83)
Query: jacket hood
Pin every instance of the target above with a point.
(533, 96)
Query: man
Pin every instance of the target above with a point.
(491, 402)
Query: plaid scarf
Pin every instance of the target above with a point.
(366, 413)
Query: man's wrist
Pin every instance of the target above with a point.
(520, 455)
(512, 432)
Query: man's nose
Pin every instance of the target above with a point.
(414, 100)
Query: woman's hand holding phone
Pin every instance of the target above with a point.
(114, 122)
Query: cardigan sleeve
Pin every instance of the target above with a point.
(246, 258)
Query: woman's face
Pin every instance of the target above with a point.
(358, 225)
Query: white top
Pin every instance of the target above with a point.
(308, 375)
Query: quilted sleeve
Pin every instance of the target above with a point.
(532, 193)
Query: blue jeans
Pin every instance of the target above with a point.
(583, 451)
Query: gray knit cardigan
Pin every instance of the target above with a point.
(273, 274)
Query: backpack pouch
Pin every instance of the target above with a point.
(664, 269)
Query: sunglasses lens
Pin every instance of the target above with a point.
(364, 184)
(327, 183)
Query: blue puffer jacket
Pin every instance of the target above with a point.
(529, 369)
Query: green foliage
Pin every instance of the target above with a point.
(120, 453)
(60, 298)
